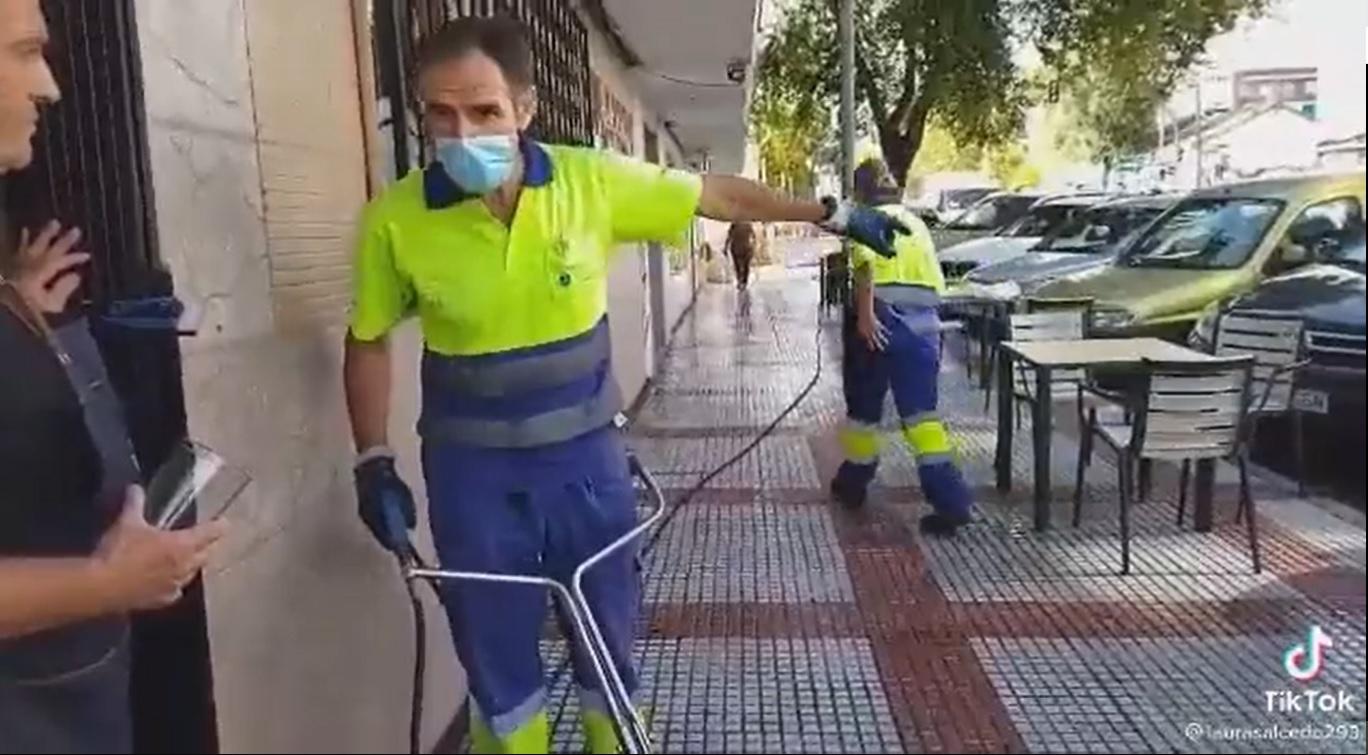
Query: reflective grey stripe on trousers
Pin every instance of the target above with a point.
(554, 426)
(494, 379)
(906, 295)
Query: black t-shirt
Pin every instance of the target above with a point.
(50, 475)
(49, 467)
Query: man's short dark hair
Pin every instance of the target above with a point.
(874, 183)
(502, 38)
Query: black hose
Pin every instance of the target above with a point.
(419, 670)
(698, 487)
(419, 652)
(743, 453)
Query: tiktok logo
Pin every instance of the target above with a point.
(1305, 660)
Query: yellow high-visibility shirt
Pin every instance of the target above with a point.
(915, 263)
(480, 287)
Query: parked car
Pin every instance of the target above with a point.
(941, 207)
(1093, 238)
(1216, 244)
(988, 217)
(1330, 295)
(1044, 217)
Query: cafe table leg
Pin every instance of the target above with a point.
(1005, 395)
(1042, 427)
(1204, 496)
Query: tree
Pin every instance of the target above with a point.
(941, 151)
(1117, 61)
(913, 58)
(1008, 164)
(951, 60)
(789, 135)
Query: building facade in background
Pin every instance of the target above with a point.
(1295, 88)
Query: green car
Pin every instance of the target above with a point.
(1215, 244)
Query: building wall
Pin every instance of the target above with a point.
(1272, 140)
(683, 273)
(629, 300)
(258, 168)
(1342, 160)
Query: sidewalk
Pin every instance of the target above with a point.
(778, 622)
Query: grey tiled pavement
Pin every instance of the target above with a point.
(749, 554)
(777, 622)
(1136, 694)
(754, 696)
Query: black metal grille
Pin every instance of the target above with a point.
(560, 45)
(91, 166)
(560, 49)
(1338, 350)
(953, 271)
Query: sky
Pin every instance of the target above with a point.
(1329, 35)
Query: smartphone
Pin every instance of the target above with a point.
(194, 485)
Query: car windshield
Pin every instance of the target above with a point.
(1099, 230)
(964, 197)
(1042, 220)
(1205, 234)
(993, 213)
(1350, 255)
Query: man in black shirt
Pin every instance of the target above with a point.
(73, 562)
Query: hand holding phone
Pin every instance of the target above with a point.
(143, 567)
(194, 484)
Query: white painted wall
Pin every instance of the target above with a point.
(1276, 139)
(309, 627)
(629, 309)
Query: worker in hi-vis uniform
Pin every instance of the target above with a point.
(502, 247)
(898, 347)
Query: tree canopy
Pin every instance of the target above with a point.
(952, 60)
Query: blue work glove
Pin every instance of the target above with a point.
(864, 225)
(385, 501)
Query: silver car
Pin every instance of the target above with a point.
(1044, 218)
(1090, 239)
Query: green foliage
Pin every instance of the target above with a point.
(1008, 165)
(940, 151)
(789, 134)
(914, 58)
(1117, 61)
(927, 65)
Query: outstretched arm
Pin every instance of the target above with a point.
(736, 199)
(740, 199)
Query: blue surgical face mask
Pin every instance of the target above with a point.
(478, 164)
